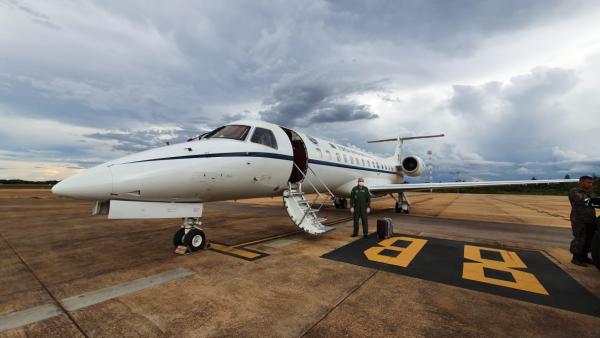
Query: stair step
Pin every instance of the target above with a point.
(302, 213)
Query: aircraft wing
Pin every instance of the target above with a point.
(389, 188)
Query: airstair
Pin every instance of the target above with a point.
(301, 210)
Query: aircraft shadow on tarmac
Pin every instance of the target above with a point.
(520, 274)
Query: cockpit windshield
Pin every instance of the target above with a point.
(233, 132)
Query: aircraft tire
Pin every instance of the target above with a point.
(195, 239)
(596, 249)
(178, 237)
(344, 204)
(336, 202)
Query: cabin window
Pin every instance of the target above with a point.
(265, 137)
(351, 159)
(345, 158)
(232, 132)
(328, 153)
(339, 158)
(363, 162)
(319, 152)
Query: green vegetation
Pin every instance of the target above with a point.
(561, 189)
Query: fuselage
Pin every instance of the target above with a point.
(244, 159)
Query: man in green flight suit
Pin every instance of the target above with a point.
(583, 220)
(360, 206)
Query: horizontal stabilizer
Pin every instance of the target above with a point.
(389, 188)
(405, 138)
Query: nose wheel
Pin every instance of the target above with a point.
(195, 239)
(190, 235)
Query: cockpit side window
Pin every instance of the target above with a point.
(265, 137)
(233, 132)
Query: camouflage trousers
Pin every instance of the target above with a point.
(582, 237)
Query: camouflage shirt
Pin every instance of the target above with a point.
(580, 212)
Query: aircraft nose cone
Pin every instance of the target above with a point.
(95, 183)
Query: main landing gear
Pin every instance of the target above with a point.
(340, 203)
(190, 235)
(402, 203)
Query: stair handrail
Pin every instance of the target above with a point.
(306, 178)
(323, 183)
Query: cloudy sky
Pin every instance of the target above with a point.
(515, 85)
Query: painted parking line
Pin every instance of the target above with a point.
(525, 275)
(239, 252)
(38, 313)
(34, 314)
(102, 295)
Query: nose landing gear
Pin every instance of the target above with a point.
(190, 236)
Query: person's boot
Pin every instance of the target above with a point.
(586, 259)
(354, 235)
(365, 236)
(577, 261)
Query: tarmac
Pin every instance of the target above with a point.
(64, 273)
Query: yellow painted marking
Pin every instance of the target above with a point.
(268, 238)
(234, 251)
(405, 255)
(510, 261)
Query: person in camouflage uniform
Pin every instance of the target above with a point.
(583, 220)
(360, 206)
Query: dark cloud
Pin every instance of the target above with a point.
(99, 104)
(130, 141)
(473, 100)
(302, 103)
(453, 28)
(520, 120)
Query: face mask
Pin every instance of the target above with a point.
(361, 183)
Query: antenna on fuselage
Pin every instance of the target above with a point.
(400, 141)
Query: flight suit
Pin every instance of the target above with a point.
(583, 222)
(360, 200)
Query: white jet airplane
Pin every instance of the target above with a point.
(248, 159)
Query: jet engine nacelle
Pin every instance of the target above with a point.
(413, 166)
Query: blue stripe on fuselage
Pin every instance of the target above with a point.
(265, 155)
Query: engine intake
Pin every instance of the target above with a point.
(413, 166)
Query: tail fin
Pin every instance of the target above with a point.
(400, 141)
